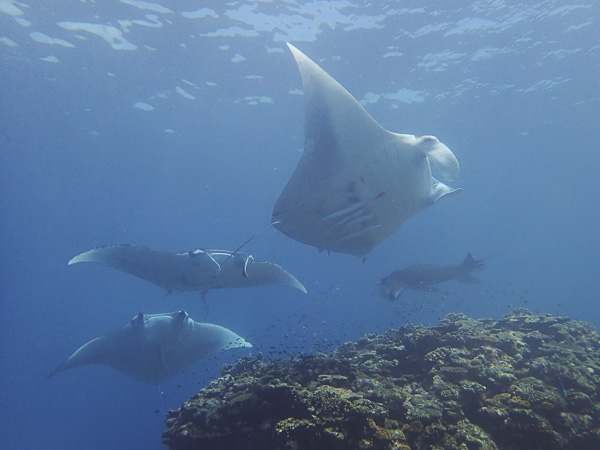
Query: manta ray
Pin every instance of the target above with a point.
(422, 276)
(356, 182)
(154, 347)
(194, 270)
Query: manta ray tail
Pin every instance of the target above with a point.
(203, 295)
(472, 263)
(258, 233)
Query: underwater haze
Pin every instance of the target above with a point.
(176, 125)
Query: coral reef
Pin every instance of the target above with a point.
(523, 382)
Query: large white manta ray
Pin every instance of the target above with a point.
(356, 182)
(194, 270)
(154, 347)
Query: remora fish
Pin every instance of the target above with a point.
(422, 276)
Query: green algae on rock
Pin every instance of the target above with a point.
(523, 382)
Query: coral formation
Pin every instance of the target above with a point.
(525, 381)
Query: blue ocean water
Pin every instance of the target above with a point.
(176, 126)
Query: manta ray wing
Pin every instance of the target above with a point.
(171, 271)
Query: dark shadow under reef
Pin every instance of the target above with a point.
(523, 382)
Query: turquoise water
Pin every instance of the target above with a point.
(176, 127)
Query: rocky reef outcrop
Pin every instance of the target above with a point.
(525, 381)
